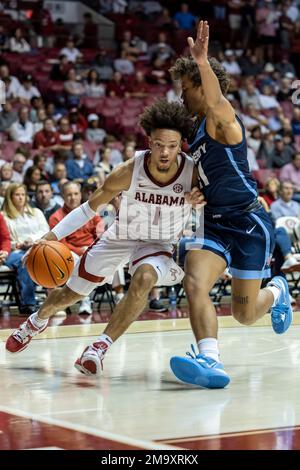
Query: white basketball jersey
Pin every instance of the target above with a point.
(151, 210)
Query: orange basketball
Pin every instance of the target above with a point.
(50, 264)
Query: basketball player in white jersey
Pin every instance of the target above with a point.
(158, 187)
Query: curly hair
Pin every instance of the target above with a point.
(187, 66)
(165, 115)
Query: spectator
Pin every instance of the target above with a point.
(27, 91)
(59, 71)
(19, 161)
(281, 154)
(36, 105)
(47, 138)
(234, 18)
(230, 64)
(103, 65)
(90, 32)
(3, 187)
(116, 156)
(291, 172)
(6, 172)
(31, 178)
(123, 64)
(74, 88)
(117, 86)
(271, 188)
(5, 245)
(40, 161)
(3, 39)
(26, 224)
(65, 133)
(43, 199)
(139, 88)
(41, 116)
(82, 238)
(78, 167)
(18, 43)
(71, 52)
(285, 68)
(104, 167)
(93, 87)
(161, 49)
(94, 133)
(12, 83)
(285, 206)
(128, 152)
(59, 174)
(22, 130)
(184, 19)
(7, 116)
(267, 22)
(77, 121)
(250, 95)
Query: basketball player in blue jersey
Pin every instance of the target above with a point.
(237, 230)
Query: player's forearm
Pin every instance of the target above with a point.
(210, 85)
(73, 221)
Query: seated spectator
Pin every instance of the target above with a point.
(123, 64)
(134, 46)
(65, 133)
(164, 20)
(60, 71)
(159, 74)
(183, 19)
(251, 157)
(267, 99)
(103, 65)
(25, 224)
(36, 104)
(18, 162)
(291, 172)
(93, 132)
(77, 121)
(74, 88)
(7, 116)
(128, 152)
(93, 87)
(250, 95)
(255, 139)
(6, 172)
(281, 154)
(13, 85)
(43, 199)
(78, 166)
(3, 187)
(116, 156)
(41, 116)
(230, 63)
(27, 91)
(285, 67)
(139, 88)
(117, 86)
(47, 138)
(40, 161)
(82, 238)
(18, 43)
(104, 167)
(3, 39)
(271, 190)
(161, 49)
(285, 206)
(31, 178)
(22, 130)
(59, 174)
(71, 52)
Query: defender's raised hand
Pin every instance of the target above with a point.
(199, 47)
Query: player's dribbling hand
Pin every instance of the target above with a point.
(195, 198)
(46, 238)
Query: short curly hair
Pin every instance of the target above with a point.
(165, 115)
(187, 66)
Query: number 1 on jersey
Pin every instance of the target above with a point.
(156, 216)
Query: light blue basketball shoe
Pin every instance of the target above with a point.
(282, 313)
(199, 370)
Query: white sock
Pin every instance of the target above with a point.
(276, 291)
(104, 339)
(209, 347)
(36, 321)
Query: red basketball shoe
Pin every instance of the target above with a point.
(19, 339)
(90, 362)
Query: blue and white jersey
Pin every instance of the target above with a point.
(224, 174)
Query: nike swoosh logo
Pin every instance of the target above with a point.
(251, 230)
(60, 271)
(144, 186)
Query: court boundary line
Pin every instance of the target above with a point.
(117, 438)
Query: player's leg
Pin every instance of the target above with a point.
(202, 269)
(58, 299)
(125, 313)
(251, 254)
